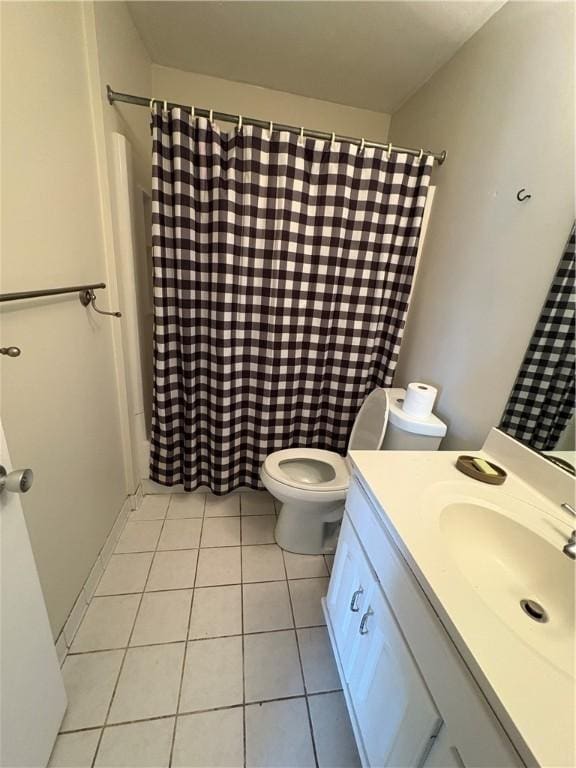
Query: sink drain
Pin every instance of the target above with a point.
(534, 610)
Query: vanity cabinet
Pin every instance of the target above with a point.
(412, 702)
(394, 711)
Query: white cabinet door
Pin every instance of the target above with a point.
(396, 715)
(349, 586)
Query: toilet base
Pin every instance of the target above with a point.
(307, 529)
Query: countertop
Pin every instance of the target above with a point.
(532, 697)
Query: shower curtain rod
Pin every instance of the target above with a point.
(142, 101)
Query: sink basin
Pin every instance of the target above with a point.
(506, 562)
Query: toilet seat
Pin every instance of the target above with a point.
(311, 469)
(311, 484)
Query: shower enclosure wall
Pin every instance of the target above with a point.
(143, 273)
(133, 232)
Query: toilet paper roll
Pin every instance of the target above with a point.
(419, 399)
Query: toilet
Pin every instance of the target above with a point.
(311, 483)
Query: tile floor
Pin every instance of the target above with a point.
(205, 645)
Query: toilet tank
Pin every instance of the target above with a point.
(408, 433)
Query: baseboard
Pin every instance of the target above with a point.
(137, 497)
(68, 631)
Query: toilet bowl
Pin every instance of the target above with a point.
(312, 484)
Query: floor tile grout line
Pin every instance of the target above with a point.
(200, 639)
(159, 519)
(171, 756)
(109, 709)
(259, 702)
(90, 728)
(129, 647)
(182, 549)
(301, 665)
(187, 713)
(209, 586)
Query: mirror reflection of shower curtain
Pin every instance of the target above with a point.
(541, 403)
(282, 277)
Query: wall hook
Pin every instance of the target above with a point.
(520, 197)
(89, 297)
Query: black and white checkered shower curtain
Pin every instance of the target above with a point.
(282, 275)
(542, 400)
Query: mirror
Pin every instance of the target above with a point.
(540, 409)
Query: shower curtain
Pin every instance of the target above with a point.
(542, 400)
(282, 275)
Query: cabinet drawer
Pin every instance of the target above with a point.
(479, 737)
(369, 528)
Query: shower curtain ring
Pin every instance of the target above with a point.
(193, 111)
(239, 122)
(211, 116)
(389, 151)
(151, 104)
(421, 153)
(301, 137)
(333, 139)
(165, 106)
(271, 128)
(362, 144)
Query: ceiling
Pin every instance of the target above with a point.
(364, 54)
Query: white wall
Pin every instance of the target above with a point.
(567, 440)
(60, 404)
(266, 104)
(124, 64)
(503, 108)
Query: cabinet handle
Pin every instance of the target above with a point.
(363, 630)
(353, 604)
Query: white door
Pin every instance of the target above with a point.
(32, 696)
(396, 715)
(347, 593)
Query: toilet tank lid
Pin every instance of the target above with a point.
(430, 426)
